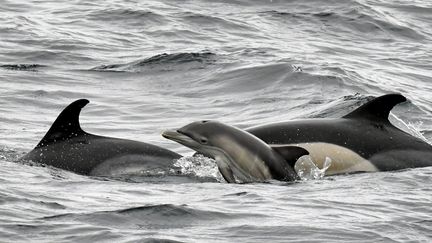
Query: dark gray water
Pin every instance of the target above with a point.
(147, 66)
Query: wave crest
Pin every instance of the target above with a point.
(163, 62)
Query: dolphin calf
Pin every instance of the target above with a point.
(68, 147)
(361, 141)
(240, 156)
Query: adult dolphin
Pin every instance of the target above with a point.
(68, 147)
(361, 141)
(240, 156)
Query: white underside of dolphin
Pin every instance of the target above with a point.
(343, 160)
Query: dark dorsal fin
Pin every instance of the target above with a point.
(66, 125)
(290, 153)
(377, 109)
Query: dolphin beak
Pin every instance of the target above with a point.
(178, 137)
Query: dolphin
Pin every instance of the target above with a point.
(240, 156)
(362, 141)
(67, 146)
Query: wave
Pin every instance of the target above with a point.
(266, 80)
(158, 240)
(341, 106)
(163, 62)
(127, 16)
(154, 216)
(22, 67)
(209, 23)
(357, 19)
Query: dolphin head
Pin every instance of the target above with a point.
(209, 138)
(197, 136)
(238, 154)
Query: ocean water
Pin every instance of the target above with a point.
(147, 66)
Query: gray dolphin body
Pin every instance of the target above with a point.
(68, 147)
(238, 154)
(361, 141)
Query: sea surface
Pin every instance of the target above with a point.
(147, 66)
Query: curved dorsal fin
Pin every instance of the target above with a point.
(66, 125)
(377, 109)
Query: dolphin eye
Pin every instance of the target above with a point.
(204, 121)
(204, 141)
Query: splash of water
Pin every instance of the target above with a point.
(307, 169)
(199, 166)
(411, 128)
